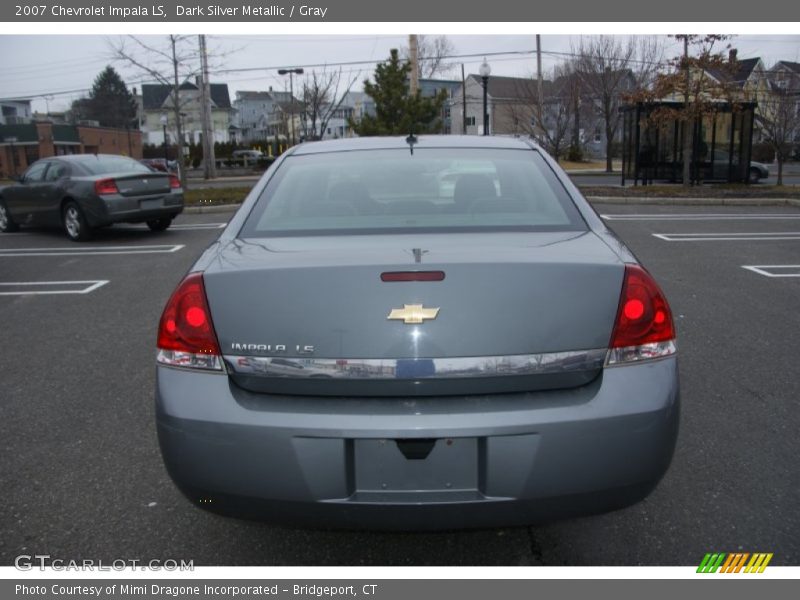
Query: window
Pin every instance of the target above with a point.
(56, 171)
(100, 164)
(470, 121)
(392, 191)
(36, 173)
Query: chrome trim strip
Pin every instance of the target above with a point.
(419, 368)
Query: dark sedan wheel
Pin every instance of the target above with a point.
(7, 224)
(159, 224)
(755, 175)
(75, 225)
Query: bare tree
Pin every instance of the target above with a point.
(778, 115)
(552, 124)
(432, 55)
(649, 61)
(170, 64)
(604, 69)
(321, 99)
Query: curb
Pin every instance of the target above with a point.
(694, 201)
(212, 208)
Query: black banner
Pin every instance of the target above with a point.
(337, 11)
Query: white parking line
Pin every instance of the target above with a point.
(90, 250)
(34, 288)
(700, 217)
(794, 270)
(728, 237)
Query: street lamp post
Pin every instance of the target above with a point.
(291, 73)
(164, 127)
(485, 70)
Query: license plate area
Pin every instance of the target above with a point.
(381, 465)
(152, 204)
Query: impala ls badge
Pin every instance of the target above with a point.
(413, 313)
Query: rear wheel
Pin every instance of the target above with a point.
(75, 225)
(7, 224)
(755, 175)
(159, 224)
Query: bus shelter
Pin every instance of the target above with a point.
(652, 142)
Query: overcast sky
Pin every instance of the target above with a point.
(54, 70)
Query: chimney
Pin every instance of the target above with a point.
(732, 55)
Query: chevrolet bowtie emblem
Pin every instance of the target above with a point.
(413, 313)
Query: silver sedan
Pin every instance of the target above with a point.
(416, 333)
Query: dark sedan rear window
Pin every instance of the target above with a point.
(440, 189)
(99, 165)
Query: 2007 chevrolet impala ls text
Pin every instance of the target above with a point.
(416, 333)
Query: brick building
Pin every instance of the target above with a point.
(21, 145)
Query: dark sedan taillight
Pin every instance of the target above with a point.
(105, 187)
(174, 182)
(644, 327)
(186, 336)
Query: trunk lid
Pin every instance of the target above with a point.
(145, 184)
(289, 303)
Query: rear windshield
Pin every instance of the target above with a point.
(440, 189)
(99, 165)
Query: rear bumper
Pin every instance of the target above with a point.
(121, 209)
(495, 460)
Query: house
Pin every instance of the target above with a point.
(285, 121)
(16, 111)
(785, 75)
(430, 88)
(253, 112)
(502, 92)
(362, 104)
(747, 77)
(512, 105)
(156, 101)
(784, 80)
(332, 122)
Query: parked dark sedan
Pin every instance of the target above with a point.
(81, 192)
(431, 333)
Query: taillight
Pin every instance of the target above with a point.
(174, 182)
(644, 327)
(105, 186)
(186, 335)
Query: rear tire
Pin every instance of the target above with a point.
(159, 224)
(74, 222)
(7, 224)
(755, 175)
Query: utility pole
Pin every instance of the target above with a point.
(413, 52)
(209, 158)
(292, 73)
(464, 100)
(540, 92)
(688, 123)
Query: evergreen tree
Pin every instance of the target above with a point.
(397, 112)
(110, 103)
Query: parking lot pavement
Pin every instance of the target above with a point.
(82, 475)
